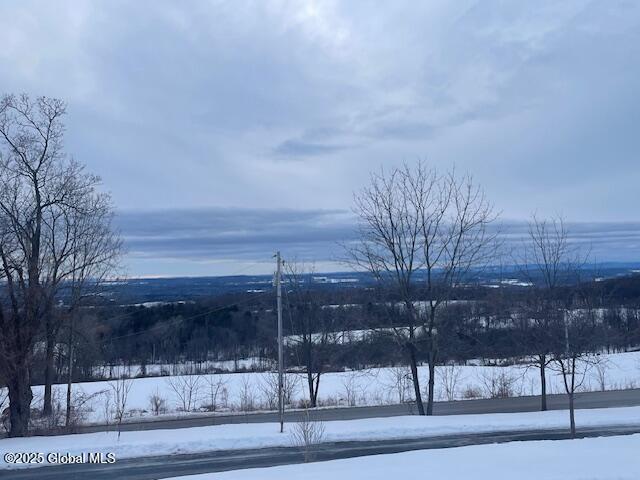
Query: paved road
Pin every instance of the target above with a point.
(615, 398)
(175, 465)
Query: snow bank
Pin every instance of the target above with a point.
(244, 436)
(606, 458)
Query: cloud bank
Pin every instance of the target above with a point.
(230, 241)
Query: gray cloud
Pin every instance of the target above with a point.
(297, 148)
(187, 105)
(243, 237)
(234, 235)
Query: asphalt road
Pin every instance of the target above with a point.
(174, 465)
(614, 398)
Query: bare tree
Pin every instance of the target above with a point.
(354, 386)
(400, 384)
(218, 392)
(311, 326)
(450, 377)
(81, 404)
(424, 233)
(602, 366)
(94, 250)
(269, 386)
(106, 407)
(186, 389)
(40, 192)
(389, 248)
(573, 358)
(120, 389)
(247, 394)
(548, 262)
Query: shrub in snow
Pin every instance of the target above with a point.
(449, 378)
(268, 385)
(601, 366)
(400, 386)
(247, 396)
(217, 393)
(307, 434)
(499, 384)
(157, 403)
(471, 392)
(350, 390)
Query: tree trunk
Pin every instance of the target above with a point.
(20, 397)
(315, 390)
(70, 378)
(433, 349)
(414, 375)
(47, 408)
(432, 377)
(312, 396)
(308, 359)
(572, 419)
(543, 383)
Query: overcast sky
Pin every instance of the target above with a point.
(199, 115)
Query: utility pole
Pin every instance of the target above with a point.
(566, 333)
(280, 356)
(70, 378)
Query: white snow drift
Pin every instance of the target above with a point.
(607, 458)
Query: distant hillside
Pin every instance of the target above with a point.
(616, 278)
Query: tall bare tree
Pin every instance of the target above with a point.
(313, 336)
(43, 194)
(548, 261)
(389, 248)
(82, 248)
(424, 232)
(95, 249)
(573, 355)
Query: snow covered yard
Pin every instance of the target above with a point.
(604, 458)
(244, 436)
(257, 390)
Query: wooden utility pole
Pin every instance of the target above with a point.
(70, 377)
(280, 355)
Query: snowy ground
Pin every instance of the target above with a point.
(606, 458)
(257, 391)
(242, 436)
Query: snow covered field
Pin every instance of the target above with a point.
(256, 391)
(242, 436)
(605, 458)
